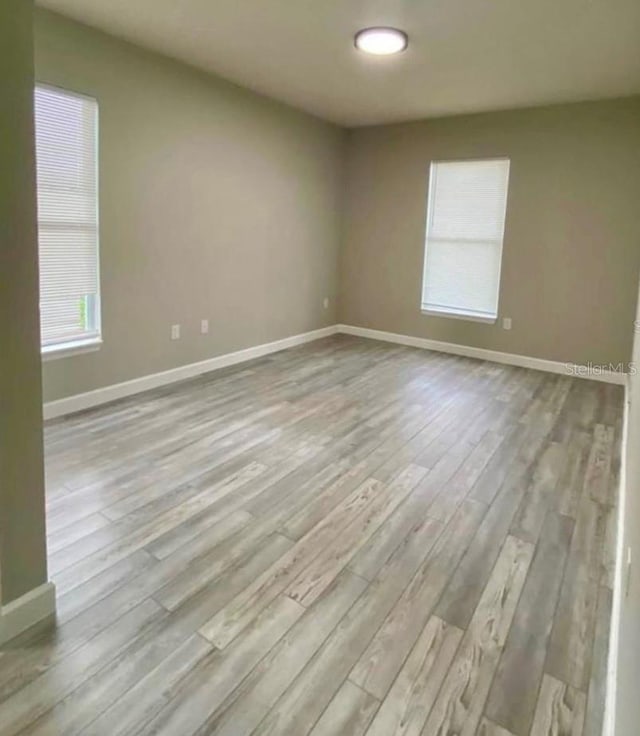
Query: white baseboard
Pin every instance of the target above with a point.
(26, 611)
(611, 687)
(523, 361)
(78, 402)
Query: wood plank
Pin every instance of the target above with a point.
(248, 704)
(460, 702)
(570, 645)
(571, 641)
(489, 728)
(376, 551)
(380, 663)
(511, 460)
(314, 579)
(113, 681)
(33, 700)
(512, 698)
(205, 567)
(231, 620)
(454, 491)
(599, 464)
(139, 704)
(383, 444)
(83, 597)
(350, 712)
(596, 695)
(608, 557)
(571, 481)
(53, 649)
(209, 683)
(70, 533)
(299, 707)
(213, 531)
(465, 587)
(560, 710)
(409, 701)
(540, 494)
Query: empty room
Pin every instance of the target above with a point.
(319, 348)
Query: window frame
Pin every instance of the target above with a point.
(453, 312)
(83, 344)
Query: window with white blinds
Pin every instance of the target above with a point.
(66, 161)
(465, 228)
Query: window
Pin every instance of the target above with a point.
(66, 162)
(465, 227)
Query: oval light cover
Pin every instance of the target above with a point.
(381, 41)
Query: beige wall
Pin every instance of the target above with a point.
(22, 546)
(214, 203)
(571, 250)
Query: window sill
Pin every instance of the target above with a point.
(68, 349)
(460, 315)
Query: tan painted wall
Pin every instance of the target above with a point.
(214, 203)
(22, 549)
(571, 251)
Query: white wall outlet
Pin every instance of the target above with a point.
(175, 332)
(506, 323)
(204, 326)
(325, 302)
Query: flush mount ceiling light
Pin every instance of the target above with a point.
(381, 41)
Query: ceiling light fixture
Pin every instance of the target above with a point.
(381, 41)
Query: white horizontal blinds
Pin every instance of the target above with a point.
(465, 227)
(66, 150)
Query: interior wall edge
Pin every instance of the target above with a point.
(23, 562)
(34, 607)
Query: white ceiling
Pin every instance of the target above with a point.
(463, 56)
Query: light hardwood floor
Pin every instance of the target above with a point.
(344, 538)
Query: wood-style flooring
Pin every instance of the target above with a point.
(348, 538)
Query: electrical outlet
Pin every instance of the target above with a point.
(204, 326)
(506, 323)
(325, 303)
(175, 332)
